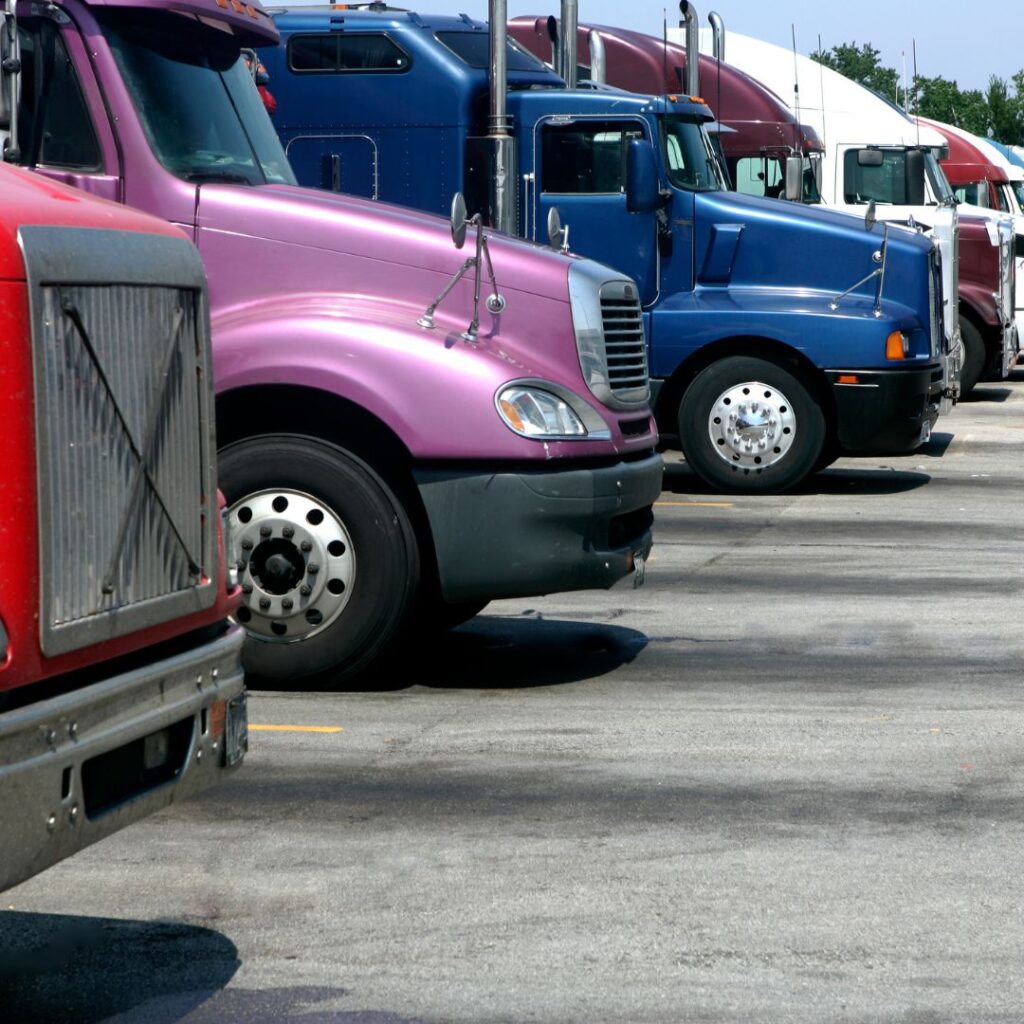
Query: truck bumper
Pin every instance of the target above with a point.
(532, 532)
(77, 767)
(886, 410)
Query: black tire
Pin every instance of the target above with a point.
(363, 591)
(974, 356)
(789, 443)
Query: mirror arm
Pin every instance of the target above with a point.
(427, 320)
(10, 73)
(881, 271)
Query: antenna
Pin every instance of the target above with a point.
(821, 86)
(664, 56)
(918, 123)
(796, 75)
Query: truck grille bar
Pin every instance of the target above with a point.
(625, 345)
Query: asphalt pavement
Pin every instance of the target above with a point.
(779, 783)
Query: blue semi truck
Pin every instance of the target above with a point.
(780, 336)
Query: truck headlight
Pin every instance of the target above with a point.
(897, 346)
(533, 412)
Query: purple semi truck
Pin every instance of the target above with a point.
(405, 432)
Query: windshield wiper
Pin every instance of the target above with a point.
(226, 176)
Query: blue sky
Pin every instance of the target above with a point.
(962, 42)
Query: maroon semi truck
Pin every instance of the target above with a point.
(121, 688)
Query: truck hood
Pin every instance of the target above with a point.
(769, 243)
(325, 221)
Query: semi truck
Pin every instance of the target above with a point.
(777, 341)
(874, 153)
(121, 687)
(406, 430)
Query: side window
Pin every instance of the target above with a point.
(587, 157)
(337, 53)
(758, 176)
(53, 121)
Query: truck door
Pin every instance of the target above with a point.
(580, 167)
(62, 129)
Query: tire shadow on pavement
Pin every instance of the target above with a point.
(66, 969)
(497, 652)
(681, 480)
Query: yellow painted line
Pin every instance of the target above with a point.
(295, 728)
(695, 504)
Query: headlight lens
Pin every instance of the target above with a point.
(532, 412)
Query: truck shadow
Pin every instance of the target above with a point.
(841, 479)
(989, 393)
(493, 652)
(64, 969)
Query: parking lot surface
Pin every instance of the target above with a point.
(780, 782)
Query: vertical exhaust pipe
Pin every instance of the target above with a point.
(555, 38)
(499, 124)
(570, 41)
(718, 34)
(598, 66)
(689, 23)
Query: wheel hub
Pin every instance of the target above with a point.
(296, 564)
(752, 426)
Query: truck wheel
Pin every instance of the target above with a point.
(974, 356)
(329, 562)
(747, 424)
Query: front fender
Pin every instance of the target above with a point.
(848, 337)
(981, 301)
(431, 388)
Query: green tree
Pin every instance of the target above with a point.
(861, 64)
(1006, 118)
(943, 100)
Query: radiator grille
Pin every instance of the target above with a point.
(125, 457)
(625, 345)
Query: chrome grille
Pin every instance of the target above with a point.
(610, 336)
(125, 442)
(624, 341)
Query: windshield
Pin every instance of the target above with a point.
(473, 48)
(689, 157)
(196, 100)
(937, 178)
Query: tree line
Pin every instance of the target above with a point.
(996, 112)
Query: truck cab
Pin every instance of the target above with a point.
(774, 343)
(406, 431)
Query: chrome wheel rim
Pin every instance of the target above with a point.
(752, 426)
(296, 562)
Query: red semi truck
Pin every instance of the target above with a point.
(120, 681)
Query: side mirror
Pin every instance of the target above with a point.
(458, 220)
(794, 179)
(869, 158)
(642, 192)
(915, 178)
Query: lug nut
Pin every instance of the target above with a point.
(312, 568)
(265, 531)
(247, 544)
(305, 590)
(264, 603)
(288, 532)
(306, 545)
(286, 603)
(246, 588)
